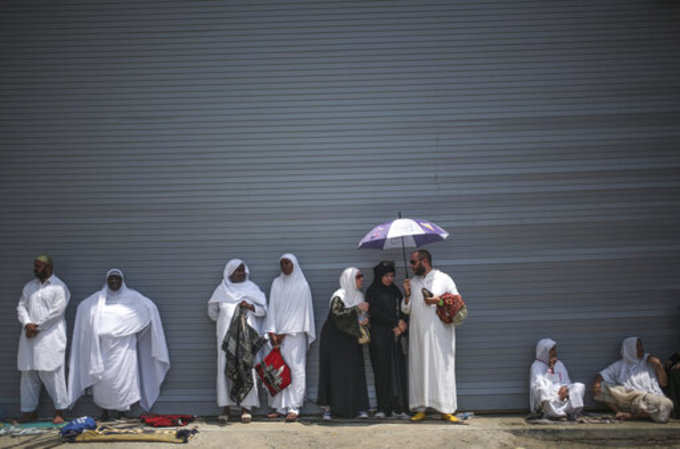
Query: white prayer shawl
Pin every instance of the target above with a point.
(43, 304)
(112, 330)
(432, 347)
(543, 384)
(221, 307)
(348, 292)
(290, 308)
(631, 372)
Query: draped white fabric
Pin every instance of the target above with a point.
(432, 347)
(545, 384)
(43, 304)
(291, 312)
(118, 349)
(221, 307)
(632, 372)
(348, 292)
(290, 307)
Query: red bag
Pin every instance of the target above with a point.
(451, 308)
(166, 420)
(274, 372)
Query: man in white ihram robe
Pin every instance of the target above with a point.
(290, 325)
(42, 343)
(432, 343)
(235, 290)
(551, 392)
(118, 348)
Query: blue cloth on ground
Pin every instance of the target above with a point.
(75, 427)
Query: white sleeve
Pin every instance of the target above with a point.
(260, 310)
(406, 306)
(214, 310)
(610, 373)
(443, 283)
(269, 323)
(22, 313)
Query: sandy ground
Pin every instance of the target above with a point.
(481, 432)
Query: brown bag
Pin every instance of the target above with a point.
(451, 308)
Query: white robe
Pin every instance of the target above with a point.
(291, 312)
(43, 304)
(631, 372)
(119, 350)
(544, 386)
(631, 384)
(221, 307)
(432, 347)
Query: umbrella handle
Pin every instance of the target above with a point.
(403, 254)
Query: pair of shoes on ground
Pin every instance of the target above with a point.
(394, 415)
(246, 418)
(290, 417)
(448, 417)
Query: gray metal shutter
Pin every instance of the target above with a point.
(167, 137)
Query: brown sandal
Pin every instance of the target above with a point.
(291, 417)
(274, 415)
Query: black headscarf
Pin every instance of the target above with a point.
(380, 270)
(384, 299)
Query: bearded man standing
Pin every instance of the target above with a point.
(42, 344)
(432, 343)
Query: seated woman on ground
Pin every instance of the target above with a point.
(631, 387)
(551, 392)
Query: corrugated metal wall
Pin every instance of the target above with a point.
(166, 137)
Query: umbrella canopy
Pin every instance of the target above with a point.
(403, 233)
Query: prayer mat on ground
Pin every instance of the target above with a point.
(29, 428)
(107, 433)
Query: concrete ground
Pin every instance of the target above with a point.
(488, 432)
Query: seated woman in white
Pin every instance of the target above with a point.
(631, 387)
(551, 392)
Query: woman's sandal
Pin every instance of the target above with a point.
(223, 419)
(291, 417)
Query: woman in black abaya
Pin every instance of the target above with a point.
(387, 329)
(342, 378)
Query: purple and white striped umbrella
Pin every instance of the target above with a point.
(403, 233)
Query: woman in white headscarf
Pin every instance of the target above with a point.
(290, 326)
(235, 290)
(342, 378)
(118, 348)
(632, 386)
(551, 392)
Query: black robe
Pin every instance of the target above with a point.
(387, 357)
(342, 378)
(673, 388)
